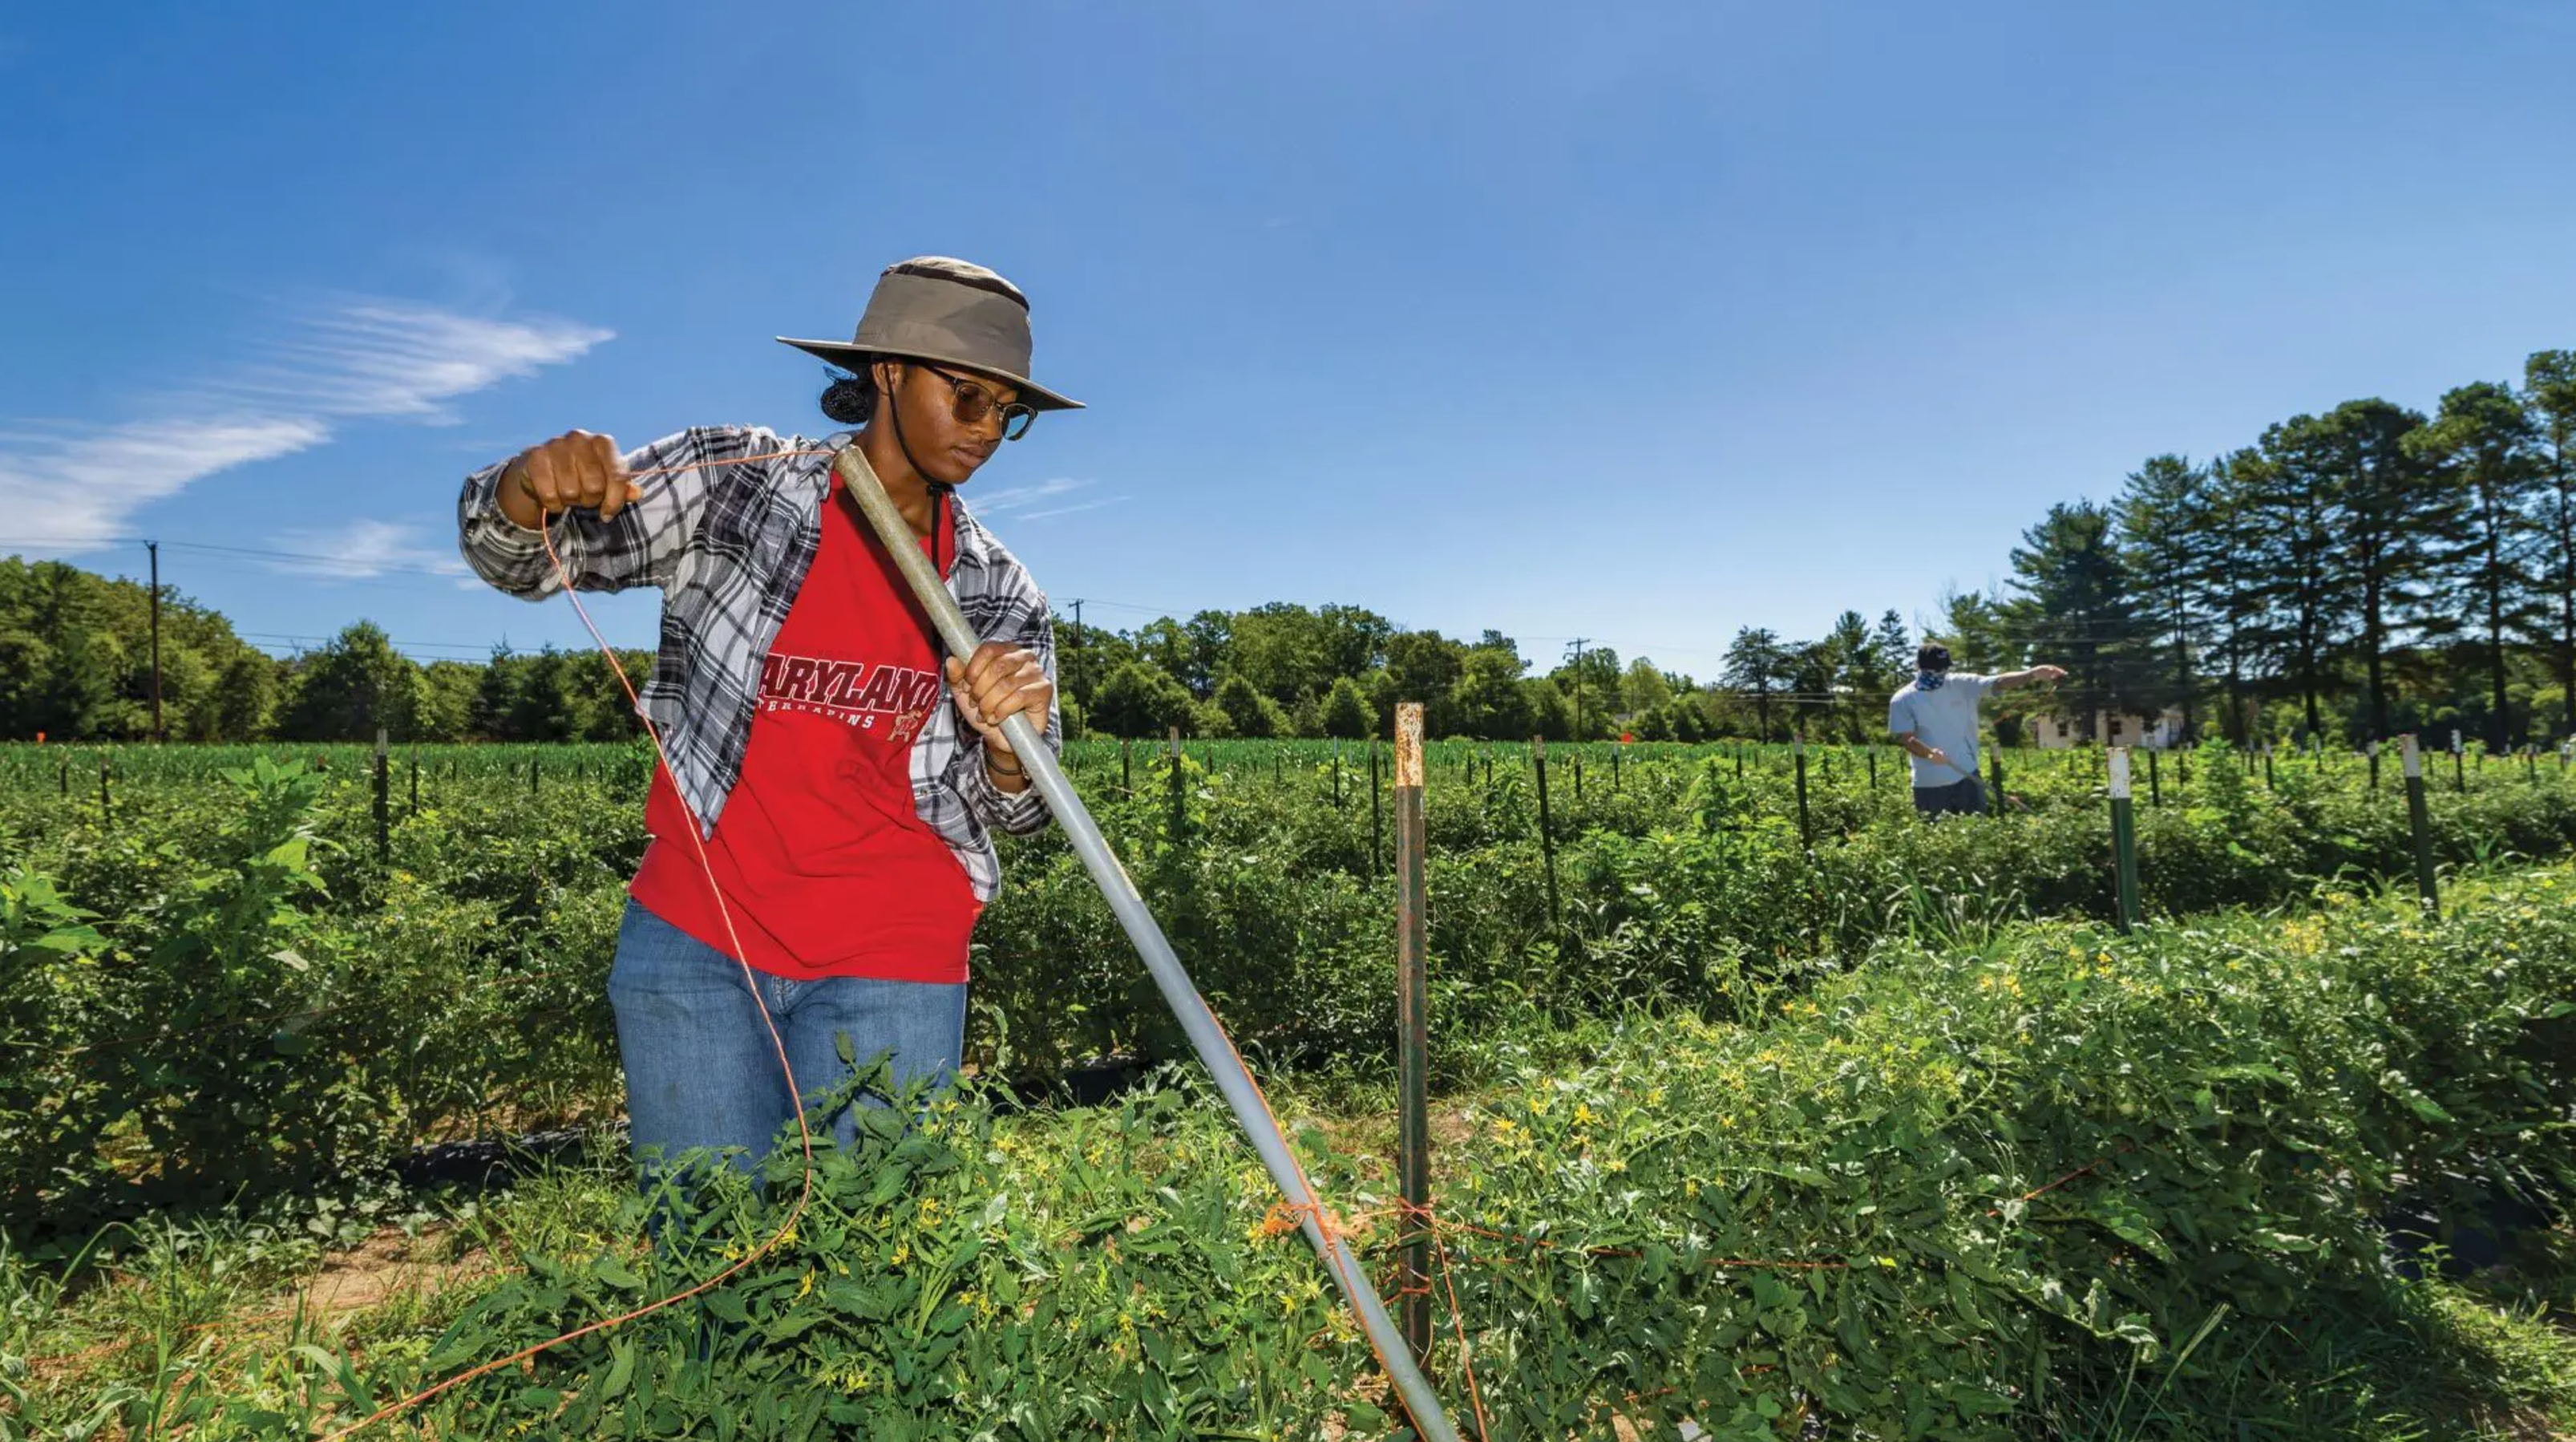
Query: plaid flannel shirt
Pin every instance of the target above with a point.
(728, 535)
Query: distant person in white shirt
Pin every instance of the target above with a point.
(1935, 720)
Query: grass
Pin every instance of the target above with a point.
(250, 1308)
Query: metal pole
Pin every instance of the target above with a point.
(1806, 831)
(1180, 805)
(2155, 782)
(153, 548)
(1546, 841)
(1206, 1036)
(384, 801)
(2421, 824)
(1374, 811)
(2124, 838)
(1412, 1025)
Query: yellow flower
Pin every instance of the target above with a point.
(805, 1285)
(1582, 1113)
(1655, 1097)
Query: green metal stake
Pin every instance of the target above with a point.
(384, 801)
(2124, 838)
(1180, 809)
(1546, 839)
(2420, 823)
(1806, 830)
(1373, 798)
(2373, 750)
(2155, 783)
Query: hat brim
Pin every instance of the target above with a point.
(851, 357)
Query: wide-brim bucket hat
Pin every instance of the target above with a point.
(936, 308)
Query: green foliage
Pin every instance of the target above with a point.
(1346, 710)
(1138, 700)
(1248, 712)
(1964, 1194)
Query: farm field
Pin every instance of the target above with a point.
(1855, 1127)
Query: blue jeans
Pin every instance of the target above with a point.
(701, 1070)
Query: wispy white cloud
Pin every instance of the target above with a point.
(1068, 510)
(76, 486)
(361, 549)
(1020, 498)
(1036, 502)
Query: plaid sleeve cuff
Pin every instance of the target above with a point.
(502, 553)
(1016, 813)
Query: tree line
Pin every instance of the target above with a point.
(2352, 574)
(2349, 575)
(75, 665)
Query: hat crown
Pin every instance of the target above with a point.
(939, 309)
(963, 272)
(952, 312)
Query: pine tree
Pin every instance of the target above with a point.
(2170, 546)
(2549, 397)
(2481, 445)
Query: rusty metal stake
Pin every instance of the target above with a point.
(1412, 1026)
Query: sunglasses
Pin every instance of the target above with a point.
(972, 403)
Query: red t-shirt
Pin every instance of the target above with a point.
(825, 864)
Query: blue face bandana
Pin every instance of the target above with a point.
(1930, 680)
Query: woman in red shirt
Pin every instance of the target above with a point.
(843, 803)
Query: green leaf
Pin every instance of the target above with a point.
(620, 1370)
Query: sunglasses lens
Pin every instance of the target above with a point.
(1015, 421)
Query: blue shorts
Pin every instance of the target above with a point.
(1965, 797)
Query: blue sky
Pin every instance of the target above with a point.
(1640, 323)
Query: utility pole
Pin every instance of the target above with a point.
(1577, 645)
(153, 549)
(1076, 678)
